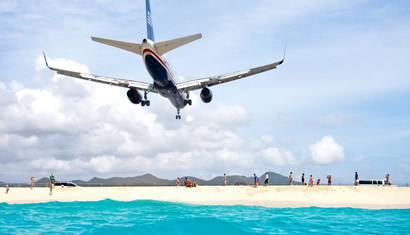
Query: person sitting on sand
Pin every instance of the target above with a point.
(188, 184)
(194, 184)
(255, 177)
(329, 180)
(32, 182)
(177, 181)
(7, 188)
(318, 182)
(311, 181)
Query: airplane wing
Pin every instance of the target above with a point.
(142, 86)
(215, 80)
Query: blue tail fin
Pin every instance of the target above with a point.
(150, 27)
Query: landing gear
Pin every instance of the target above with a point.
(188, 102)
(145, 101)
(178, 116)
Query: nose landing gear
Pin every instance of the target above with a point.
(178, 116)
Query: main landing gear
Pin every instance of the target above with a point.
(178, 115)
(145, 101)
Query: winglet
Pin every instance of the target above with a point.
(45, 59)
(284, 55)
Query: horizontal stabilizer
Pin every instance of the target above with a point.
(128, 46)
(164, 47)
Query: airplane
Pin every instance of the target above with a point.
(164, 80)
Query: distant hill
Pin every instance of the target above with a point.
(151, 180)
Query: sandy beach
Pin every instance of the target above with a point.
(270, 196)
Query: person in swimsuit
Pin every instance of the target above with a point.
(266, 179)
(290, 178)
(329, 180)
(318, 182)
(7, 189)
(32, 182)
(193, 184)
(311, 181)
(303, 178)
(52, 181)
(225, 181)
(387, 180)
(177, 181)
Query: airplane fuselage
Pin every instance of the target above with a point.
(163, 77)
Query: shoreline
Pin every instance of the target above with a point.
(366, 197)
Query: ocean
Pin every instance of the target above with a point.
(156, 217)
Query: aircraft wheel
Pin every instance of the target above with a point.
(148, 103)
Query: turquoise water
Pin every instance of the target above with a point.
(154, 217)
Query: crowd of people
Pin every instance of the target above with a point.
(310, 183)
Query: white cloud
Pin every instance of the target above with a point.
(326, 151)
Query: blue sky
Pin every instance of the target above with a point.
(338, 104)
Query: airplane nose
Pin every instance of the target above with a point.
(144, 41)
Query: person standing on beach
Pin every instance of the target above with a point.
(52, 181)
(291, 178)
(303, 178)
(311, 181)
(256, 180)
(318, 182)
(225, 181)
(32, 182)
(177, 181)
(387, 180)
(7, 189)
(356, 179)
(266, 179)
(329, 180)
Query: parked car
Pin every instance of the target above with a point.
(371, 182)
(63, 184)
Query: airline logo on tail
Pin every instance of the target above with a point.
(150, 27)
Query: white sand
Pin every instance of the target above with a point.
(271, 196)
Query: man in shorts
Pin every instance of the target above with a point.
(266, 179)
(256, 178)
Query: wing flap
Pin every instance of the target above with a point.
(215, 80)
(142, 86)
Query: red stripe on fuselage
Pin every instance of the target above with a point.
(158, 58)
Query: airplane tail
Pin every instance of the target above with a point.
(150, 27)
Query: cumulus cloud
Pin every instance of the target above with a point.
(78, 129)
(326, 151)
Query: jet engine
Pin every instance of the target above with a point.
(134, 96)
(206, 95)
